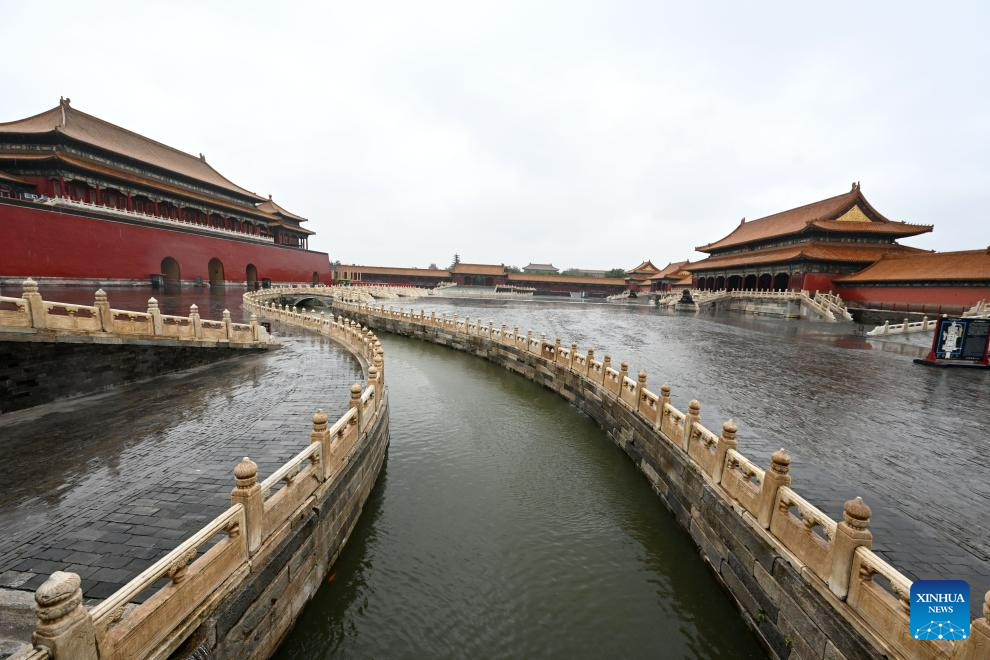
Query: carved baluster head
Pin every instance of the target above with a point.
(729, 430)
(226, 316)
(101, 297)
(780, 462)
(319, 425)
(856, 514)
(642, 379)
(624, 368)
(246, 474)
(355, 395)
(606, 362)
(153, 306)
(29, 286)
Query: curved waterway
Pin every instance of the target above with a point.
(505, 524)
(856, 414)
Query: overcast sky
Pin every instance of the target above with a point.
(583, 134)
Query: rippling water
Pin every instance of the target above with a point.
(505, 524)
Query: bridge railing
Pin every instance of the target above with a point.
(99, 319)
(215, 560)
(835, 556)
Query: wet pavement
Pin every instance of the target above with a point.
(857, 416)
(105, 485)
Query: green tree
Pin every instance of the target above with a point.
(616, 272)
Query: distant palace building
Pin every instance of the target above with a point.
(81, 198)
(541, 269)
(803, 248)
(673, 275)
(487, 275)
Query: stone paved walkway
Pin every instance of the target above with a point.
(105, 486)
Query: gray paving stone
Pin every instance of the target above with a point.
(129, 475)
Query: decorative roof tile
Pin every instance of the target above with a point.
(66, 120)
(848, 212)
(967, 265)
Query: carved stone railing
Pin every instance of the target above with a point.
(215, 561)
(908, 326)
(31, 311)
(835, 556)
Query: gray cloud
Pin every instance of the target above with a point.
(587, 134)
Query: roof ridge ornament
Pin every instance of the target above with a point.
(743, 221)
(855, 186)
(63, 103)
(202, 157)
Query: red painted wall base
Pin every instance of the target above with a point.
(50, 243)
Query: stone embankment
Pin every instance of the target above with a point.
(810, 586)
(234, 588)
(53, 350)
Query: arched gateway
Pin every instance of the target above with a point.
(251, 275)
(170, 271)
(216, 272)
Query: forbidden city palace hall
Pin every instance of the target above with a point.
(83, 199)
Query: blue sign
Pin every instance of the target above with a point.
(940, 609)
(962, 339)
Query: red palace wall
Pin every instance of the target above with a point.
(966, 296)
(48, 243)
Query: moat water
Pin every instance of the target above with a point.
(506, 524)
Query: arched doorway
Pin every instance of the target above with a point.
(170, 271)
(780, 281)
(719, 283)
(216, 272)
(735, 283)
(252, 275)
(765, 282)
(316, 277)
(710, 283)
(749, 283)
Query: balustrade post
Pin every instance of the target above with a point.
(102, 305)
(543, 343)
(852, 532)
(373, 380)
(725, 443)
(254, 326)
(529, 341)
(640, 386)
(775, 476)
(64, 626)
(35, 305)
(606, 365)
(693, 417)
(433, 318)
(623, 373)
(247, 492)
(356, 403)
(664, 400)
(491, 330)
(904, 326)
(227, 325)
(379, 363)
(573, 354)
(197, 323)
(977, 645)
(156, 316)
(587, 362)
(556, 349)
